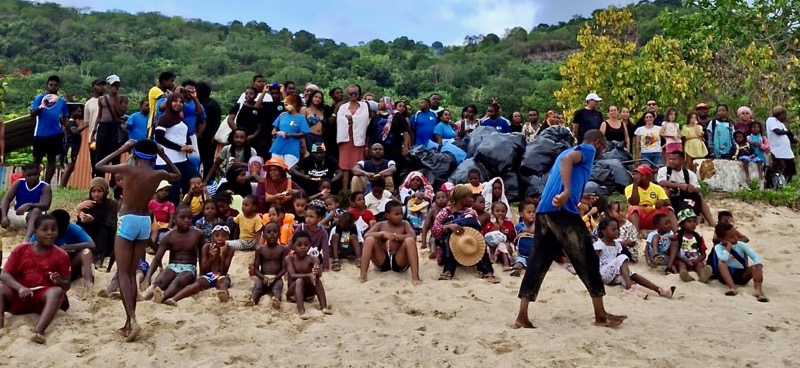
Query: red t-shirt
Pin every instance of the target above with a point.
(367, 215)
(161, 211)
(507, 228)
(33, 269)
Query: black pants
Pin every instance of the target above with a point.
(207, 149)
(107, 142)
(450, 264)
(262, 146)
(558, 232)
(785, 166)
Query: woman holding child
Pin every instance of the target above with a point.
(452, 220)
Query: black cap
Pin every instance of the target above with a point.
(98, 81)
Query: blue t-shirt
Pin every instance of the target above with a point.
(291, 124)
(501, 124)
(445, 130)
(190, 115)
(73, 235)
(422, 124)
(48, 122)
(580, 176)
(137, 126)
(159, 101)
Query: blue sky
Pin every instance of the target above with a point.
(351, 21)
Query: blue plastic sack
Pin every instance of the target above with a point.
(457, 152)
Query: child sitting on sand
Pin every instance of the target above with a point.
(183, 244)
(688, 250)
(364, 217)
(658, 242)
(346, 241)
(479, 205)
(269, 267)
(209, 220)
(248, 226)
(320, 242)
(628, 236)
(162, 211)
(614, 265)
(498, 234)
(416, 211)
(524, 240)
(414, 183)
(376, 199)
(304, 275)
(196, 197)
(324, 191)
(726, 217)
(285, 222)
(299, 204)
(730, 257)
(588, 212)
(333, 212)
(494, 191)
(215, 261)
(474, 181)
(32, 281)
(439, 202)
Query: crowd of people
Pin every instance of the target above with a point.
(308, 185)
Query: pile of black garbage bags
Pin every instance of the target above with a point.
(521, 166)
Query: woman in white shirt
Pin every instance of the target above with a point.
(780, 144)
(173, 134)
(352, 120)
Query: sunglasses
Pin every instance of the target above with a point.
(651, 104)
(353, 93)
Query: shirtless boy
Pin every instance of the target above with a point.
(215, 261)
(182, 244)
(391, 245)
(269, 267)
(133, 230)
(304, 275)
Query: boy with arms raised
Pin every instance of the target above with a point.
(269, 267)
(304, 275)
(133, 230)
(215, 261)
(391, 245)
(182, 243)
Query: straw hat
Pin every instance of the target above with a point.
(469, 247)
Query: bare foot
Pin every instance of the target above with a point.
(304, 316)
(37, 338)
(223, 296)
(87, 289)
(125, 330)
(158, 295)
(115, 295)
(139, 297)
(686, 277)
(416, 282)
(103, 294)
(326, 311)
(522, 324)
(171, 302)
(134, 333)
(275, 303)
(250, 303)
(148, 293)
(610, 321)
(362, 279)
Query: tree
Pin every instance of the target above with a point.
(635, 75)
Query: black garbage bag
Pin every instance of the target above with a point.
(436, 165)
(535, 183)
(476, 137)
(463, 145)
(621, 173)
(512, 186)
(602, 173)
(459, 176)
(558, 133)
(601, 191)
(540, 155)
(616, 151)
(500, 152)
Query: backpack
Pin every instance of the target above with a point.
(712, 137)
(713, 261)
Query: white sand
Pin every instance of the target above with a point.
(461, 323)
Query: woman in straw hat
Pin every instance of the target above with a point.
(559, 228)
(457, 225)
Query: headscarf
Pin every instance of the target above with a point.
(406, 191)
(170, 118)
(388, 104)
(243, 189)
(742, 109)
(273, 187)
(460, 192)
(487, 193)
(98, 182)
(260, 162)
(104, 213)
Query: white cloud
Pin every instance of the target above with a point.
(489, 16)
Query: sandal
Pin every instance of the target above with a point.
(667, 293)
(491, 279)
(336, 265)
(730, 293)
(445, 276)
(515, 273)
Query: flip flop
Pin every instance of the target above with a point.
(445, 276)
(762, 299)
(667, 293)
(491, 279)
(730, 293)
(515, 273)
(336, 265)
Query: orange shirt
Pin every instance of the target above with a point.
(286, 228)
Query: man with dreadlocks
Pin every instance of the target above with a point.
(140, 181)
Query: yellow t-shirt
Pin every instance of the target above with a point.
(476, 190)
(648, 197)
(196, 205)
(152, 97)
(248, 227)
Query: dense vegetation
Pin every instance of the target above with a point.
(520, 68)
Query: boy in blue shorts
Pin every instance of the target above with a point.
(658, 242)
(133, 230)
(215, 261)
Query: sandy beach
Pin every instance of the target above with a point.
(465, 322)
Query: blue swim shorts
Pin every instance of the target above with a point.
(133, 227)
(179, 268)
(213, 278)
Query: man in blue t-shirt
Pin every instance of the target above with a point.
(137, 122)
(51, 113)
(78, 245)
(560, 228)
(494, 120)
(422, 123)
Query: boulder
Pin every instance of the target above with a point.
(724, 175)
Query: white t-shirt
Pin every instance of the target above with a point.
(267, 98)
(677, 177)
(779, 144)
(649, 139)
(377, 205)
(90, 110)
(176, 134)
(671, 129)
